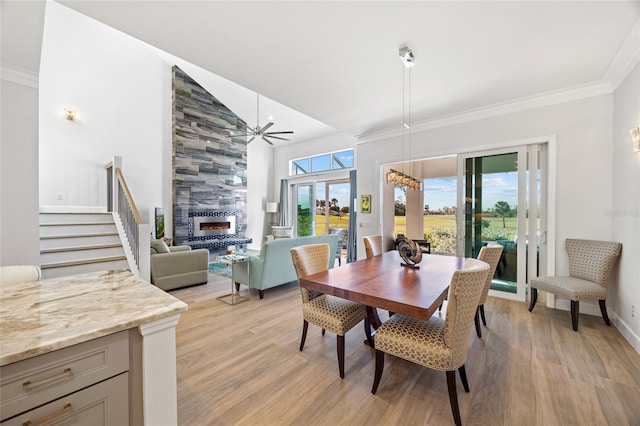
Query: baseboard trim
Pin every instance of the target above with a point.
(594, 309)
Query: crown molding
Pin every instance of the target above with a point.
(18, 75)
(625, 59)
(530, 102)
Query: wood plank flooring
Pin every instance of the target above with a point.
(240, 365)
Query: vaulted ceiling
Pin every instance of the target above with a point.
(337, 62)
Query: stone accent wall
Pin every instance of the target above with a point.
(209, 165)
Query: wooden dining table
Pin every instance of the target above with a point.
(383, 282)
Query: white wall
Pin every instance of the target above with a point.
(625, 209)
(583, 132)
(598, 177)
(19, 174)
(119, 88)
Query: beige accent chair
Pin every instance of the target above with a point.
(373, 245)
(328, 312)
(590, 264)
(491, 254)
(436, 343)
(15, 274)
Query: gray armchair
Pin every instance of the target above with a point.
(177, 266)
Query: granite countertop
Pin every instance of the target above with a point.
(42, 316)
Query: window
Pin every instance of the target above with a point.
(339, 160)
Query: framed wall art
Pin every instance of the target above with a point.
(365, 203)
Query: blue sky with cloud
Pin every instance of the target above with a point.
(442, 192)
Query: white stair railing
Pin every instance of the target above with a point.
(128, 220)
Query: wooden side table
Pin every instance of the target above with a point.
(234, 297)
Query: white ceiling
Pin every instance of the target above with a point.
(338, 63)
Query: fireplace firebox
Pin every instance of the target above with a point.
(213, 225)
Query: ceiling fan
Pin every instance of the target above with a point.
(259, 131)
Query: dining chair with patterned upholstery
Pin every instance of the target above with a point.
(372, 245)
(590, 264)
(491, 254)
(436, 343)
(327, 312)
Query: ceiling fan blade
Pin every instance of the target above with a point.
(266, 126)
(252, 138)
(267, 140)
(290, 132)
(275, 137)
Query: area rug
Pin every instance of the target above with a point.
(220, 268)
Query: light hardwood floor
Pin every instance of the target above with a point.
(240, 365)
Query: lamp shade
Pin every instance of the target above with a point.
(272, 208)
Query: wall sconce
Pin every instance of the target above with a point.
(70, 114)
(635, 139)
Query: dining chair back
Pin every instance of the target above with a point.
(491, 254)
(440, 344)
(590, 265)
(373, 245)
(328, 312)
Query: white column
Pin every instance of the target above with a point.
(159, 381)
(415, 214)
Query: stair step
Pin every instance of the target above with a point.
(82, 262)
(76, 248)
(56, 242)
(84, 253)
(64, 271)
(46, 218)
(95, 234)
(76, 229)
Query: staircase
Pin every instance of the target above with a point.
(76, 243)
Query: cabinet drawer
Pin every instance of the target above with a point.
(106, 403)
(29, 383)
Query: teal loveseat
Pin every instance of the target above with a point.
(273, 266)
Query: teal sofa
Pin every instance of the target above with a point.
(273, 266)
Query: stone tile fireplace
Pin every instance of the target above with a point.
(209, 169)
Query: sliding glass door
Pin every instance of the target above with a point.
(321, 206)
(305, 210)
(499, 200)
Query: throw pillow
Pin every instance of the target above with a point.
(159, 246)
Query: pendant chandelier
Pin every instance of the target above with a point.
(396, 177)
(400, 179)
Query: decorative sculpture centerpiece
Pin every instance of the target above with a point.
(409, 251)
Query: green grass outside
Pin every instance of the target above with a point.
(430, 221)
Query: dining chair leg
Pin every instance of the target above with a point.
(367, 332)
(534, 298)
(453, 396)
(476, 320)
(305, 326)
(379, 369)
(484, 320)
(575, 312)
(603, 310)
(340, 347)
(463, 378)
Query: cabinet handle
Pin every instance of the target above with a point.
(29, 385)
(50, 417)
